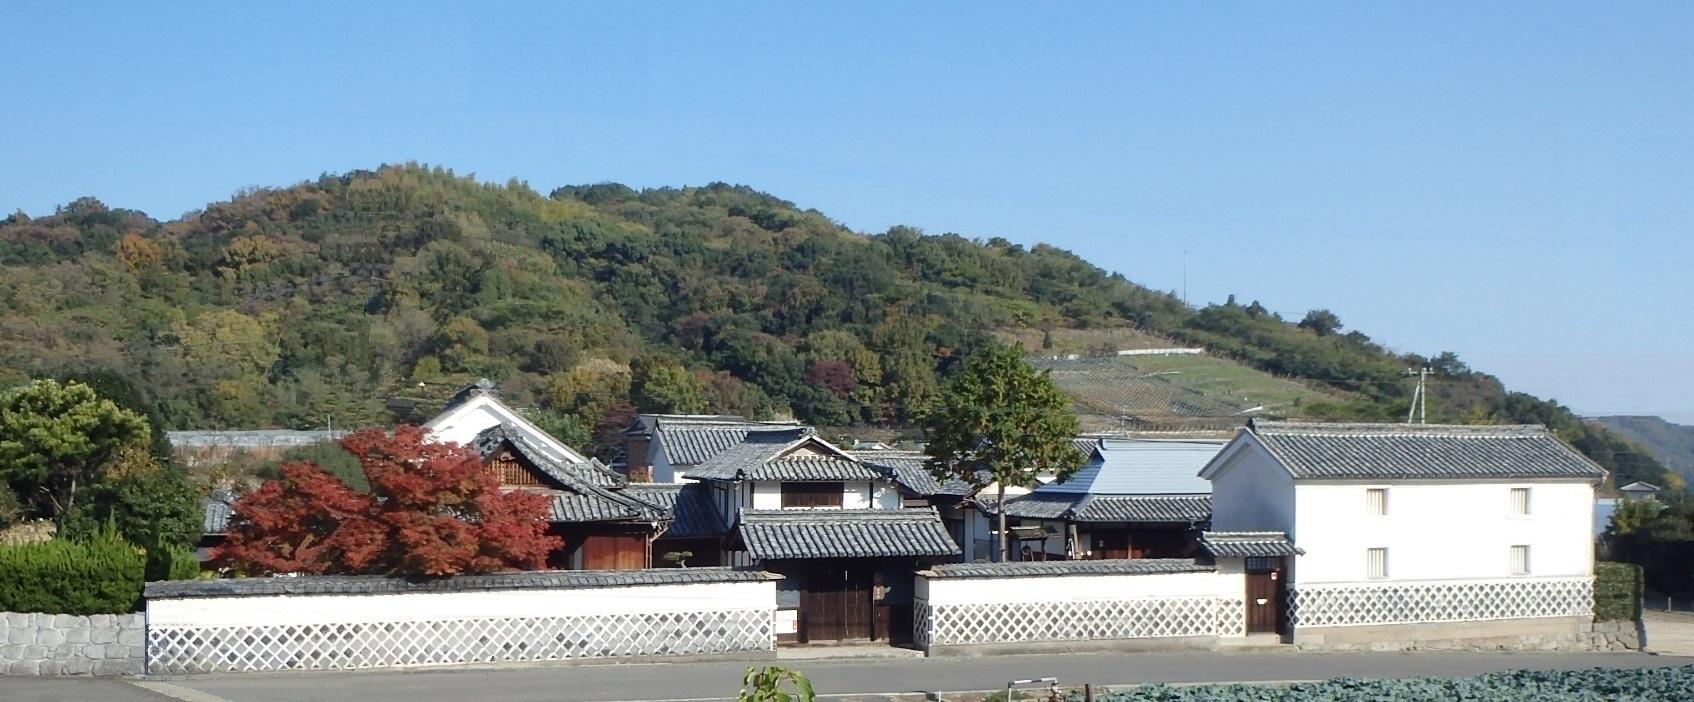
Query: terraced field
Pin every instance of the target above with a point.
(1174, 391)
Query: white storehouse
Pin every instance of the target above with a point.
(1415, 533)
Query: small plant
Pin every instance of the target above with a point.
(679, 558)
(767, 685)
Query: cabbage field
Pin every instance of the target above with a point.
(1595, 685)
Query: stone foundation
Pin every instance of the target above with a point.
(1618, 636)
(1540, 634)
(69, 644)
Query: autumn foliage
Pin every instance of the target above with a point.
(433, 509)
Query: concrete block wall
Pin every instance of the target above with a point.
(34, 643)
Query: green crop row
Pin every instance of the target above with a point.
(1671, 684)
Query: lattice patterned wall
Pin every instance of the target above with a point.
(1087, 620)
(1450, 601)
(187, 650)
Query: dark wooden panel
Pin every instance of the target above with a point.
(1264, 596)
(614, 552)
(812, 494)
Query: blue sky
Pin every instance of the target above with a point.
(1510, 181)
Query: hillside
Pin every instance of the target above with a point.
(369, 297)
(1670, 444)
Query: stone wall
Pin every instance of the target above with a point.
(70, 644)
(1618, 636)
(1534, 634)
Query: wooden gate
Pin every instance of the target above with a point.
(1265, 587)
(614, 552)
(836, 604)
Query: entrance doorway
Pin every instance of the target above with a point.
(835, 604)
(1265, 589)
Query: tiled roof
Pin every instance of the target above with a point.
(692, 513)
(768, 455)
(375, 584)
(692, 440)
(908, 470)
(489, 441)
(1111, 508)
(1034, 569)
(845, 533)
(586, 492)
(1340, 451)
(1143, 508)
(1248, 544)
(216, 509)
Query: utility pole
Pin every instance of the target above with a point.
(1419, 408)
(1185, 277)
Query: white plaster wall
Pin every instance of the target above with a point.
(273, 610)
(856, 496)
(461, 427)
(1251, 493)
(1442, 530)
(950, 591)
(767, 495)
(888, 496)
(663, 471)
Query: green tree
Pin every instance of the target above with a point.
(661, 385)
(1004, 417)
(152, 504)
(56, 439)
(1321, 322)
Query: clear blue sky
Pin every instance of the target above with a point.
(1514, 182)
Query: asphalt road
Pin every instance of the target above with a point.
(719, 680)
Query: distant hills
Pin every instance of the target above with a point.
(369, 297)
(1671, 444)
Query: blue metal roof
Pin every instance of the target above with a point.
(1142, 467)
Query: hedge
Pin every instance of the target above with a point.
(1593, 685)
(1617, 591)
(172, 563)
(98, 575)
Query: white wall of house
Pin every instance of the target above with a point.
(1442, 530)
(767, 494)
(1252, 493)
(663, 471)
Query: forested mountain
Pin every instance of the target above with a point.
(1672, 444)
(371, 296)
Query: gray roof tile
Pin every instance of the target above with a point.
(1111, 508)
(1248, 544)
(690, 440)
(767, 455)
(216, 509)
(1032, 569)
(375, 584)
(690, 507)
(1412, 451)
(909, 470)
(845, 533)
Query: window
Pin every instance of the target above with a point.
(1520, 501)
(1376, 562)
(1376, 501)
(1520, 560)
(812, 495)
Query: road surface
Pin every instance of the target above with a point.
(864, 677)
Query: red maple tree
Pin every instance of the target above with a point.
(434, 509)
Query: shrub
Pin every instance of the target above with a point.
(172, 562)
(97, 575)
(1516, 686)
(1617, 591)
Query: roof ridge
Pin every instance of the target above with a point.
(1387, 429)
